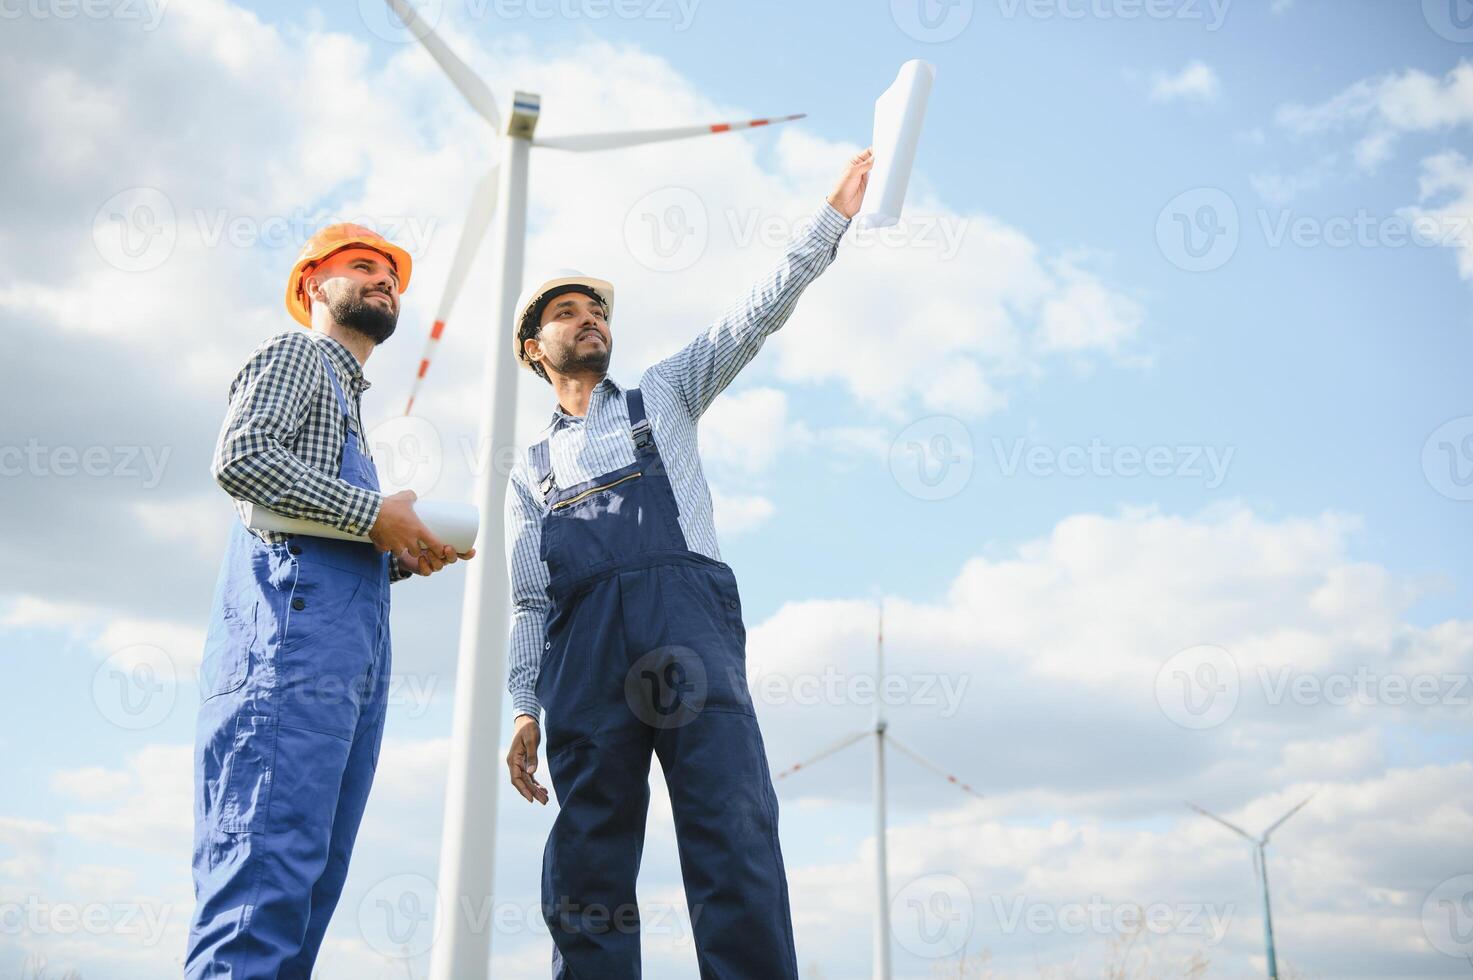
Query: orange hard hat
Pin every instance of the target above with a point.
(335, 238)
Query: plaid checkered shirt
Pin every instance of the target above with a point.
(677, 391)
(283, 435)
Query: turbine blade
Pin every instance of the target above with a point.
(932, 766)
(1277, 823)
(843, 743)
(476, 92)
(611, 141)
(1233, 827)
(477, 218)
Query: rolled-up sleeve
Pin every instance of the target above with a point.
(703, 368)
(529, 578)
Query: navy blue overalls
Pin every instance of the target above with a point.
(646, 652)
(294, 685)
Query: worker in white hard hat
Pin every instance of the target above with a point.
(628, 629)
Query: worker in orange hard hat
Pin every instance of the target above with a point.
(327, 243)
(295, 673)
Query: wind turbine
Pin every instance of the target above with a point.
(1260, 868)
(468, 843)
(881, 735)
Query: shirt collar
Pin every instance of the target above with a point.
(349, 370)
(608, 385)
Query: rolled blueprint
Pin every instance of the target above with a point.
(454, 523)
(899, 113)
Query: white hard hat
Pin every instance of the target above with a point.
(533, 295)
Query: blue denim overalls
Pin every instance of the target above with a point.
(646, 652)
(294, 683)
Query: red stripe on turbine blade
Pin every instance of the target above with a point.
(437, 329)
(409, 409)
(720, 127)
(759, 122)
(424, 366)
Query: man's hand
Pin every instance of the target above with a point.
(398, 530)
(848, 193)
(413, 566)
(521, 761)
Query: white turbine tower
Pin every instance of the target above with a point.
(1260, 868)
(882, 736)
(467, 848)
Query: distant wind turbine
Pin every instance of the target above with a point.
(1260, 867)
(880, 733)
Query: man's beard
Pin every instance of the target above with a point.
(365, 316)
(571, 361)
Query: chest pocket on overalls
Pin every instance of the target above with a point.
(227, 656)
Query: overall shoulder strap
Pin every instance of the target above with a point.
(541, 460)
(639, 426)
(332, 377)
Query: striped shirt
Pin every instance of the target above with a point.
(677, 391)
(282, 439)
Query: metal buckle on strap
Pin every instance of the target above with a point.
(641, 434)
(545, 487)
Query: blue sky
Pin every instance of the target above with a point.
(1059, 150)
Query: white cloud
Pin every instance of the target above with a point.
(1384, 108)
(1445, 190)
(1196, 82)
